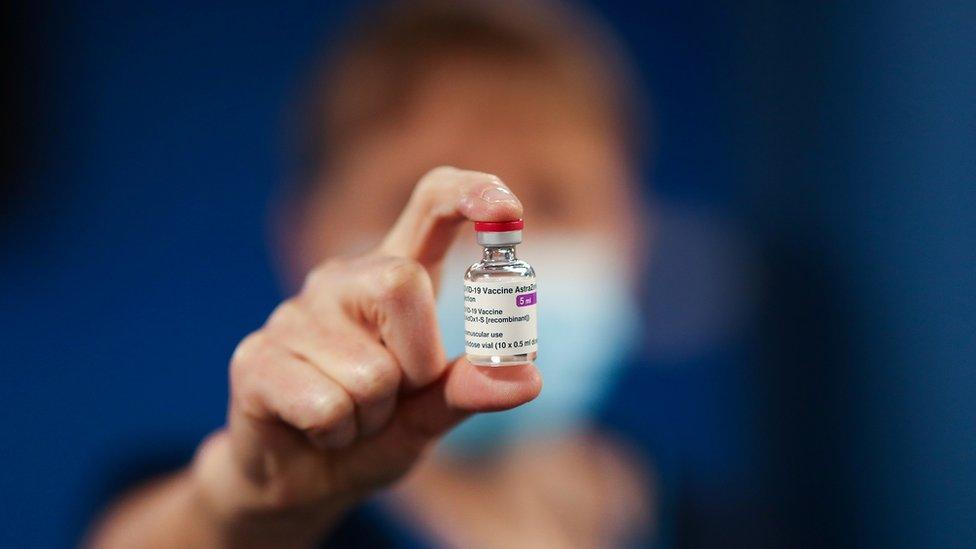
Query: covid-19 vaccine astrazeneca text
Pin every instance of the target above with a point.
(500, 300)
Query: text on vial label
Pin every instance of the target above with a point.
(500, 317)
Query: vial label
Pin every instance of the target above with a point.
(500, 317)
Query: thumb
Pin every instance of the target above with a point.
(426, 414)
(462, 390)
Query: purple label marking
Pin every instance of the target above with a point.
(524, 300)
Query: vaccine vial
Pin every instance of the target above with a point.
(500, 300)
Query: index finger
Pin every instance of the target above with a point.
(440, 202)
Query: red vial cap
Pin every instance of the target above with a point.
(498, 226)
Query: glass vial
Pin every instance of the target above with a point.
(500, 300)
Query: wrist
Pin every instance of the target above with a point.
(235, 512)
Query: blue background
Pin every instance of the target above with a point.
(830, 147)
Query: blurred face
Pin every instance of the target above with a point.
(567, 164)
(558, 153)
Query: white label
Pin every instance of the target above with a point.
(500, 317)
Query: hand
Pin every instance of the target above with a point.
(346, 384)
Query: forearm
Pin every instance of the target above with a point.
(166, 512)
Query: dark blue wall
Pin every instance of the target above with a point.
(860, 153)
(835, 140)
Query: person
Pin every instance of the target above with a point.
(346, 390)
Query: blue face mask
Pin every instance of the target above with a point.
(588, 321)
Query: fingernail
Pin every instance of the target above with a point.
(495, 195)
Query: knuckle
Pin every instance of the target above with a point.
(319, 410)
(285, 314)
(321, 276)
(249, 351)
(433, 182)
(437, 173)
(374, 379)
(401, 280)
(251, 356)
